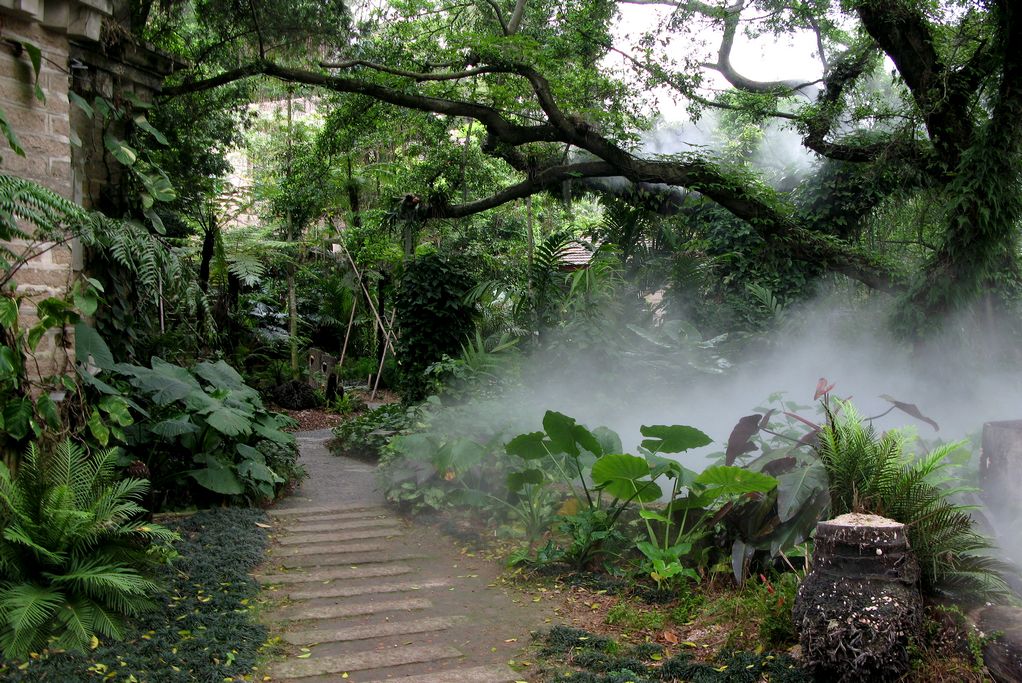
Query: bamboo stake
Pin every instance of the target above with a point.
(369, 298)
(347, 335)
(383, 357)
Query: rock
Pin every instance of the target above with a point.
(1003, 654)
(860, 607)
(295, 395)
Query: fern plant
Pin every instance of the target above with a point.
(878, 474)
(75, 553)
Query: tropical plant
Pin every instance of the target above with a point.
(879, 474)
(202, 424)
(76, 553)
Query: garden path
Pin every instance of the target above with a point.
(370, 597)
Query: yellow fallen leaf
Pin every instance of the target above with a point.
(94, 643)
(305, 655)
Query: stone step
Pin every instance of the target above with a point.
(343, 590)
(476, 674)
(344, 558)
(333, 517)
(342, 536)
(336, 574)
(281, 513)
(328, 549)
(347, 610)
(342, 525)
(367, 631)
(362, 661)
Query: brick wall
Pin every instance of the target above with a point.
(43, 131)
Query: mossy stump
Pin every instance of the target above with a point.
(860, 607)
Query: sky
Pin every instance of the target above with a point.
(762, 59)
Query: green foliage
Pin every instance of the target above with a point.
(204, 628)
(598, 659)
(432, 316)
(76, 556)
(632, 618)
(876, 474)
(202, 425)
(366, 435)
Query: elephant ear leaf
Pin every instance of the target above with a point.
(561, 430)
(516, 481)
(530, 446)
(740, 441)
(625, 477)
(673, 438)
(722, 480)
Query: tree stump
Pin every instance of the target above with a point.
(860, 607)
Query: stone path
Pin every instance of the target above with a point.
(368, 597)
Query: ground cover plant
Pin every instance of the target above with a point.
(204, 628)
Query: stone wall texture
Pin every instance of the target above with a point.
(43, 129)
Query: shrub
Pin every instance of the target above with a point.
(879, 475)
(205, 628)
(203, 425)
(366, 435)
(76, 557)
(432, 317)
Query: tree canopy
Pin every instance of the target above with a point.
(926, 94)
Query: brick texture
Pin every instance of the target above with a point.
(43, 129)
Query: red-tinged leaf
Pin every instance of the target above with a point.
(803, 420)
(822, 388)
(779, 466)
(740, 441)
(766, 418)
(911, 409)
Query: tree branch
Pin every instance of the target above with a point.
(902, 32)
(417, 76)
(756, 205)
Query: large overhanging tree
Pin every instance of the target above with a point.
(534, 76)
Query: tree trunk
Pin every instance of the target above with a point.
(354, 201)
(292, 319)
(206, 260)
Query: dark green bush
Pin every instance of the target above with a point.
(203, 630)
(365, 436)
(433, 319)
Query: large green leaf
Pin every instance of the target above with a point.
(796, 488)
(266, 427)
(120, 149)
(530, 446)
(168, 429)
(165, 382)
(609, 440)
(218, 477)
(17, 415)
(89, 346)
(220, 375)
(459, 455)
(561, 430)
(8, 311)
(229, 421)
(518, 480)
(673, 438)
(626, 477)
(722, 480)
(258, 471)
